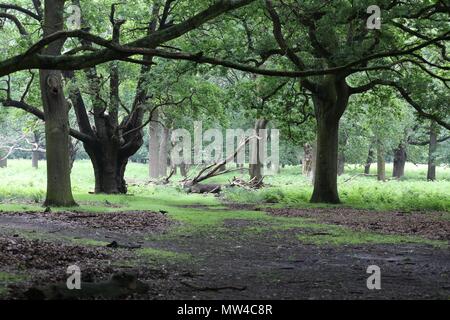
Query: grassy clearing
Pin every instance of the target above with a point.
(362, 194)
(337, 235)
(412, 192)
(23, 189)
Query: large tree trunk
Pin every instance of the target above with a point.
(399, 161)
(153, 150)
(3, 163)
(381, 163)
(330, 101)
(59, 191)
(108, 141)
(370, 158)
(109, 164)
(431, 173)
(256, 169)
(325, 177)
(109, 173)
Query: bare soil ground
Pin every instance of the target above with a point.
(232, 264)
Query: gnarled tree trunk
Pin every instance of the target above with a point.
(109, 167)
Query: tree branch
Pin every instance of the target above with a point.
(20, 9)
(40, 114)
(16, 21)
(405, 95)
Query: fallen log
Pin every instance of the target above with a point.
(203, 188)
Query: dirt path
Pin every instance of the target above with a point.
(233, 264)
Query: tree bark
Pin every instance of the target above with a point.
(3, 163)
(109, 170)
(59, 191)
(399, 161)
(432, 147)
(330, 101)
(325, 177)
(381, 163)
(256, 170)
(369, 161)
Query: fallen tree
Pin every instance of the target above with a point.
(213, 170)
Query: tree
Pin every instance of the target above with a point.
(56, 110)
(111, 142)
(430, 137)
(399, 161)
(351, 58)
(32, 58)
(327, 47)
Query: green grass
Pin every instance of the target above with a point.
(311, 232)
(408, 194)
(21, 184)
(23, 188)
(363, 194)
(160, 256)
(337, 235)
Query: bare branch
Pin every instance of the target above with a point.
(16, 21)
(20, 9)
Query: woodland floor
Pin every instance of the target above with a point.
(241, 259)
